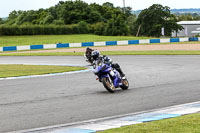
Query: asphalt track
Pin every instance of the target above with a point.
(155, 82)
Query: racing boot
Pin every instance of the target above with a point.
(117, 67)
(121, 73)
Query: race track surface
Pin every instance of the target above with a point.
(155, 82)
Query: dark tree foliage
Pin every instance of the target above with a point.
(187, 16)
(76, 12)
(68, 12)
(1, 21)
(77, 16)
(131, 20)
(151, 20)
(116, 26)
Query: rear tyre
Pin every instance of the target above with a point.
(108, 85)
(125, 84)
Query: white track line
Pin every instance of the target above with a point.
(119, 120)
(46, 75)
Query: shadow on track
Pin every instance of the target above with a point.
(118, 91)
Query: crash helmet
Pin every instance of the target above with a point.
(95, 54)
(88, 48)
(107, 60)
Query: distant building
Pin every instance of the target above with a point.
(191, 28)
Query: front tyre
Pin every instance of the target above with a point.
(125, 84)
(108, 85)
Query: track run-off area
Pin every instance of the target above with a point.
(155, 82)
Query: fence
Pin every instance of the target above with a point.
(107, 43)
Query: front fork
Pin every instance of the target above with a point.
(109, 78)
(114, 77)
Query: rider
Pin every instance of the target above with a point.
(88, 54)
(96, 55)
(116, 66)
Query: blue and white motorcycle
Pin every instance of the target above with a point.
(110, 77)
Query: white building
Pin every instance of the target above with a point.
(190, 29)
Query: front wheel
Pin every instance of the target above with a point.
(125, 84)
(108, 85)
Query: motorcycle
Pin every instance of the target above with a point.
(110, 78)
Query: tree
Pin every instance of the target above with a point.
(94, 17)
(187, 16)
(105, 19)
(59, 22)
(131, 20)
(99, 28)
(21, 18)
(82, 27)
(48, 19)
(108, 4)
(73, 12)
(128, 11)
(154, 18)
(1, 21)
(116, 26)
(13, 15)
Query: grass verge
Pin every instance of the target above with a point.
(53, 39)
(173, 52)
(183, 124)
(25, 70)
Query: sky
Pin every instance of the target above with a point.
(6, 6)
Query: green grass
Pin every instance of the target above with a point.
(183, 124)
(175, 52)
(53, 39)
(24, 70)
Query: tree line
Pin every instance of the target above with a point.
(188, 16)
(72, 17)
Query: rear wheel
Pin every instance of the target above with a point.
(108, 85)
(125, 84)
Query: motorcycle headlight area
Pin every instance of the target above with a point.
(103, 68)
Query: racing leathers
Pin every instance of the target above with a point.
(87, 55)
(115, 66)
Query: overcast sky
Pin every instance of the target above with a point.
(6, 6)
